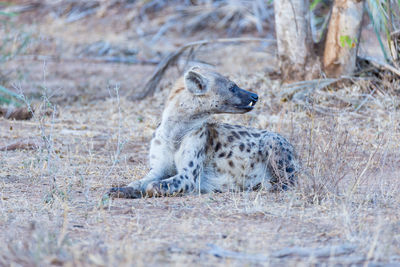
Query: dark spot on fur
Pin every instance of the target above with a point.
(196, 172)
(227, 126)
(244, 133)
(186, 187)
(186, 177)
(201, 152)
(248, 150)
(289, 157)
(164, 186)
(241, 147)
(252, 165)
(231, 138)
(255, 134)
(270, 146)
(235, 135)
(289, 169)
(157, 142)
(201, 135)
(210, 141)
(185, 169)
(221, 155)
(217, 147)
(191, 164)
(177, 183)
(231, 163)
(229, 155)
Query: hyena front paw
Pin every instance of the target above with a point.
(155, 190)
(124, 192)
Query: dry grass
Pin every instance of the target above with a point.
(50, 197)
(349, 192)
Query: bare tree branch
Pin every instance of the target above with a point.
(173, 57)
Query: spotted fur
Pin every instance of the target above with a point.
(188, 153)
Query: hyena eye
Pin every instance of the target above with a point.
(233, 88)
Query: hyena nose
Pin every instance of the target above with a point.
(254, 97)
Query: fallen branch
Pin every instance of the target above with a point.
(324, 252)
(381, 65)
(20, 145)
(172, 58)
(306, 252)
(289, 90)
(121, 60)
(223, 253)
(16, 113)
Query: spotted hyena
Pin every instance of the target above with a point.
(188, 153)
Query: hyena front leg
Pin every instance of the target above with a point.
(181, 183)
(162, 167)
(136, 189)
(189, 161)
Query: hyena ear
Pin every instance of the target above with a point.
(195, 82)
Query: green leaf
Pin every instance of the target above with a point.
(315, 3)
(8, 14)
(342, 40)
(10, 97)
(5, 100)
(8, 92)
(346, 40)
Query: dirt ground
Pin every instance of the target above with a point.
(88, 137)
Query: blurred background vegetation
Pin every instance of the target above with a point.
(144, 33)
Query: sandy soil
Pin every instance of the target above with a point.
(90, 137)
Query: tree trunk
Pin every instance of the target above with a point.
(343, 37)
(294, 40)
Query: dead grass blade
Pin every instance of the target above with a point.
(173, 57)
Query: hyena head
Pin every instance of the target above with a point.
(216, 93)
